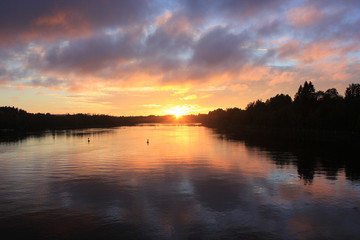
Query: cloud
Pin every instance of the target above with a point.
(288, 48)
(122, 53)
(191, 97)
(50, 19)
(151, 105)
(219, 54)
(3, 75)
(239, 87)
(169, 46)
(201, 10)
(271, 28)
(315, 51)
(219, 47)
(325, 20)
(206, 96)
(46, 83)
(85, 55)
(304, 16)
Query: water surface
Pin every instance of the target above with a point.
(187, 183)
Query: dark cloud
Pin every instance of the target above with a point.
(269, 29)
(49, 82)
(172, 42)
(14, 75)
(49, 19)
(171, 37)
(86, 55)
(3, 74)
(326, 20)
(231, 9)
(159, 52)
(220, 47)
(168, 49)
(335, 3)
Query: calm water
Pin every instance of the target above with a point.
(187, 183)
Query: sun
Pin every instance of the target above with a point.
(178, 111)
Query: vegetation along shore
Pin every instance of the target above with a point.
(324, 115)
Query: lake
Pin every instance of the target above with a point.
(188, 182)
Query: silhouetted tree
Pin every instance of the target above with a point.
(310, 111)
(332, 93)
(353, 91)
(257, 105)
(352, 97)
(306, 92)
(278, 102)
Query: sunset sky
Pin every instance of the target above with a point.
(141, 57)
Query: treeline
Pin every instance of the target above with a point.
(12, 118)
(310, 111)
(18, 119)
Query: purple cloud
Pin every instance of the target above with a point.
(231, 9)
(220, 47)
(86, 55)
(115, 42)
(50, 19)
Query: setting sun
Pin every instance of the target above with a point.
(178, 111)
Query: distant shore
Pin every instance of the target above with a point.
(288, 135)
(310, 116)
(14, 119)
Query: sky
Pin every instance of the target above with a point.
(142, 57)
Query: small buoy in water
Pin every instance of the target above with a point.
(88, 139)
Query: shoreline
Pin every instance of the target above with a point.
(293, 135)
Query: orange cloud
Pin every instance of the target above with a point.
(303, 16)
(239, 87)
(315, 51)
(68, 22)
(162, 19)
(288, 48)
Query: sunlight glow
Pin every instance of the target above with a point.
(178, 111)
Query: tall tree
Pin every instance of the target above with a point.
(353, 91)
(305, 92)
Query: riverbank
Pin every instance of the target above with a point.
(288, 135)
